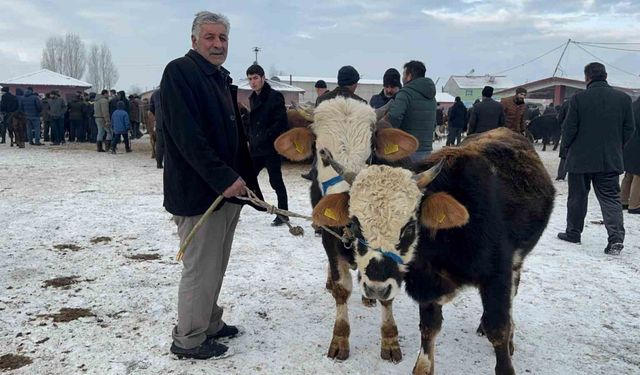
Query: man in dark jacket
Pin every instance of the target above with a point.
(46, 120)
(57, 110)
(321, 89)
(487, 115)
(267, 120)
(414, 108)
(8, 105)
(598, 125)
(156, 109)
(562, 116)
(77, 112)
(457, 121)
(631, 181)
(348, 78)
(32, 106)
(390, 87)
(206, 156)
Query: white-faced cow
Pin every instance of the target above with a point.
(345, 129)
(468, 220)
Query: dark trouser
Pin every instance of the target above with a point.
(562, 170)
(116, 140)
(607, 189)
(159, 146)
(57, 130)
(47, 130)
(76, 130)
(92, 130)
(135, 130)
(455, 134)
(4, 125)
(274, 168)
(33, 129)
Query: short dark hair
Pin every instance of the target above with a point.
(255, 69)
(595, 71)
(457, 99)
(415, 68)
(104, 92)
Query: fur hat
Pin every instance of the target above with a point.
(347, 76)
(5, 88)
(391, 78)
(320, 84)
(487, 91)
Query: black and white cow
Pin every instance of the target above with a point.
(468, 220)
(346, 129)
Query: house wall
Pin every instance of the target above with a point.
(365, 91)
(243, 97)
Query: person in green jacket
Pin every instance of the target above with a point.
(414, 108)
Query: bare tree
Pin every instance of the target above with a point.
(64, 55)
(101, 73)
(135, 89)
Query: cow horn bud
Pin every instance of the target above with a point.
(425, 178)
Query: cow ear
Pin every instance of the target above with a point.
(332, 210)
(442, 211)
(295, 144)
(394, 144)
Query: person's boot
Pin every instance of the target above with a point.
(107, 145)
(99, 144)
(209, 349)
(613, 248)
(127, 149)
(569, 238)
(113, 150)
(159, 165)
(279, 220)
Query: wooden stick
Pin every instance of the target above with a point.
(204, 218)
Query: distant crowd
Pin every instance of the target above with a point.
(84, 117)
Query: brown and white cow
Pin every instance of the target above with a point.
(346, 129)
(470, 219)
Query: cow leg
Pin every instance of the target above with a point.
(390, 347)
(430, 324)
(342, 285)
(329, 284)
(514, 291)
(496, 322)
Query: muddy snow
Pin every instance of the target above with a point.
(88, 284)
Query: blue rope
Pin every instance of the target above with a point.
(393, 256)
(330, 182)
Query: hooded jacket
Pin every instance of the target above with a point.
(414, 111)
(30, 104)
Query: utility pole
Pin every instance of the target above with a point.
(256, 50)
(561, 56)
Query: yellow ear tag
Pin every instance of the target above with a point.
(441, 218)
(330, 214)
(391, 149)
(299, 147)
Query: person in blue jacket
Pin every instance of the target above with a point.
(121, 126)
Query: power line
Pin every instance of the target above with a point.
(611, 43)
(530, 61)
(605, 47)
(608, 64)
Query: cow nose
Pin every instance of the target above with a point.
(381, 293)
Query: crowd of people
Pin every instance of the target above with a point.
(84, 117)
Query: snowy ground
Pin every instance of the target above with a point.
(577, 311)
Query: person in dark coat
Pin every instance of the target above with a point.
(598, 125)
(206, 156)
(414, 108)
(8, 105)
(631, 181)
(121, 125)
(457, 121)
(31, 105)
(562, 116)
(321, 88)
(77, 112)
(267, 120)
(57, 111)
(348, 78)
(390, 86)
(91, 126)
(46, 120)
(156, 109)
(487, 115)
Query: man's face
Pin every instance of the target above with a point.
(406, 77)
(390, 91)
(320, 91)
(212, 43)
(521, 96)
(256, 82)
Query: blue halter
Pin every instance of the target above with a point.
(393, 256)
(331, 182)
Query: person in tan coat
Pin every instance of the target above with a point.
(514, 110)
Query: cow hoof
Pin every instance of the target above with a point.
(339, 348)
(506, 370)
(329, 285)
(480, 331)
(391, 352)
(368, 302)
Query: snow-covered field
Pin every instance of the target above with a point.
(577, 311)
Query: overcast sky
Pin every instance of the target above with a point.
(316, 37)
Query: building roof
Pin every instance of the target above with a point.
(478, 82)
(443, 97)
(243, 84)
(333, 80)
(45, 77)
(554, 81)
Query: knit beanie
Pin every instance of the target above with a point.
(391, 78)
(347, 76)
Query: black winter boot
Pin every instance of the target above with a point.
(99, 144)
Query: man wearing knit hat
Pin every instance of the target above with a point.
(391, 85)
(487, 114)
(348, 78)
(514, 110)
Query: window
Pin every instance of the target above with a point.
(468, 93)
